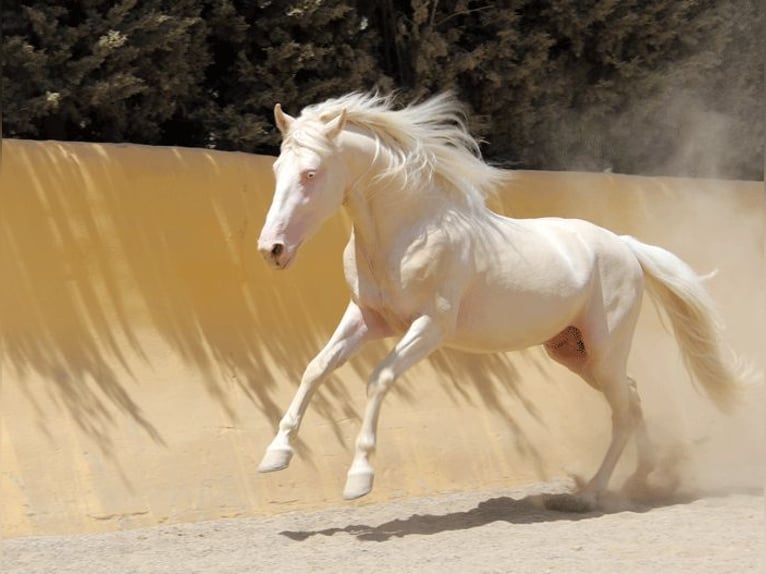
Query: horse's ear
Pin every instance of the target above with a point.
(283, 120)
(336, 125)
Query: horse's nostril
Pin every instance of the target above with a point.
(276, 250)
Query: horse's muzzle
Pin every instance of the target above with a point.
(276, 253)
(276, 250)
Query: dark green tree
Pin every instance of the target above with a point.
(103, 71)
(292, 52)
(639, 86)
(632, 85)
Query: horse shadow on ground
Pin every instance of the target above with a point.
(531, 509)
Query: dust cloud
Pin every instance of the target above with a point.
(714, 226)
(700, 449)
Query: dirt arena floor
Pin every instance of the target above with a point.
(491, 531)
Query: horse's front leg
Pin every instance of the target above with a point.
(355, 328)
(424, 336)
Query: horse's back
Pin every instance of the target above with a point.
(535, 277)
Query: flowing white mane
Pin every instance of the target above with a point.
(428, 141)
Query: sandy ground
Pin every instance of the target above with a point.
(489, 531)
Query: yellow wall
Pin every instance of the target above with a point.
(148, 352)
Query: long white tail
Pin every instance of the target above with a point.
(681, 294)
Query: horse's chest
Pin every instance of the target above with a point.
(396, 286)
(397, 298)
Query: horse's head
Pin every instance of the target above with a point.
(310, 184)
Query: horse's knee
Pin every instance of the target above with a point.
(380, 381)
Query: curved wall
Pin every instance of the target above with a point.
(148, 352)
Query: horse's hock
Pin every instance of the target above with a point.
(148, 351)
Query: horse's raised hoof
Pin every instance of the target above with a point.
(575, 503)
(358, 484)
(275, 459)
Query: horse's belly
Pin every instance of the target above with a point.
(518, 325)
(520, 311)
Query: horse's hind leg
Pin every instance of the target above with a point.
(627, 419)
(646, 456)
(604, 369)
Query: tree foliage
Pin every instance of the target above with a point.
(295, 53)
(638, 86)
(105, 71)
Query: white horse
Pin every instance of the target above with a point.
(427, 261)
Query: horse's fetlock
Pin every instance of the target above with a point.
(365, 443)
(288, 424)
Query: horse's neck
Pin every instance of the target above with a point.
(382, 218)
(380, 208)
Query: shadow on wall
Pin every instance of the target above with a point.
(103, 243)
(110, 249)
